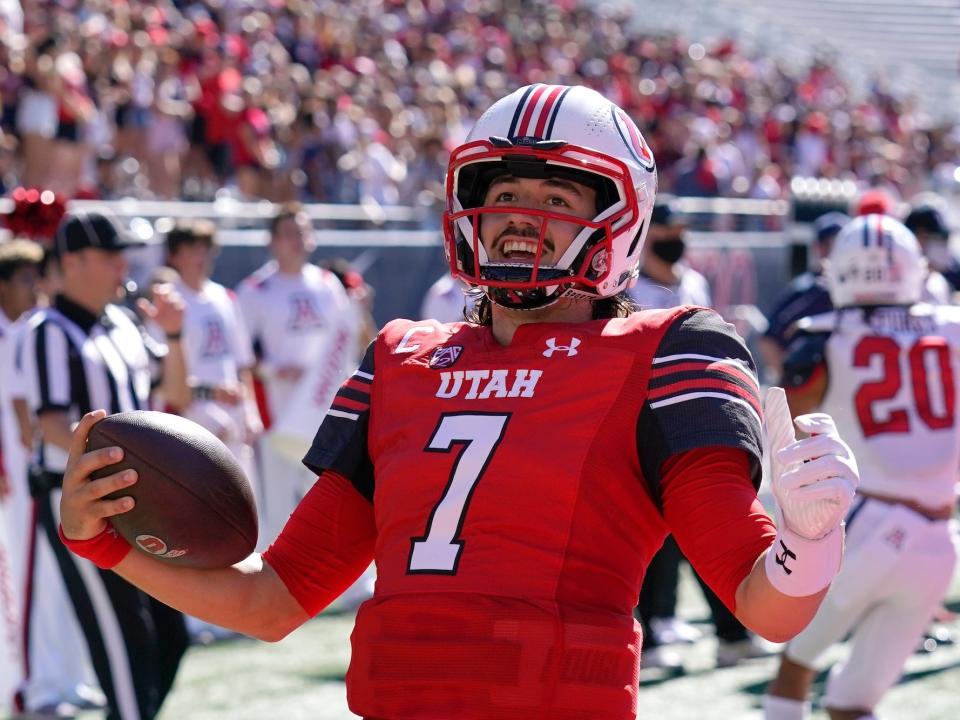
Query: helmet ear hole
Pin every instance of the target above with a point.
(636, 238)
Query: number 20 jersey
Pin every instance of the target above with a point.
(515, 498)
(892, 390)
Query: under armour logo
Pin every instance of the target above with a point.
(782, 559)
(570, 349)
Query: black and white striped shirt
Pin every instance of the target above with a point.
(74, 361)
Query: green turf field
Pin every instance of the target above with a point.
(302, 677)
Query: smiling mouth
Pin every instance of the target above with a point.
(522, 250)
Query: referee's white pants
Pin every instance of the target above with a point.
(56, 652)
(897, 568)
(135, 642)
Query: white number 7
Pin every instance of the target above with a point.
(478, 435)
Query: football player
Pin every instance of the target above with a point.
(299, 317)
(513, 475)
(217, 348)
(886, 368)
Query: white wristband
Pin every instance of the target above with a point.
(799, 567)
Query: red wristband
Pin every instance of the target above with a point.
(105, 550)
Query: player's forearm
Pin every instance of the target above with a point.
(768, 612)
(55, 429)
(248, 597)
(24, 422)
(174, 386)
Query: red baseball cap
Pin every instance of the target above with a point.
(874, 202)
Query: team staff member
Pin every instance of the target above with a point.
(216, 347)
(305, 329)
(513, 474)
(83, 353)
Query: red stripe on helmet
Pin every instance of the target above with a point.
(528, 113)
(547, 109)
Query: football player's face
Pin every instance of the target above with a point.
(512, 235)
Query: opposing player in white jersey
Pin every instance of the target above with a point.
(305, 329)
(216, 345)
(887, 368)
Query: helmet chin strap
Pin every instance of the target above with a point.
(493, 294)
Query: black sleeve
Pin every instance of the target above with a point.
(52, 370)
(805, 354)
(340, 444)
(810, 300)
(702, 392)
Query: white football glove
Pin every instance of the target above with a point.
(813, 480)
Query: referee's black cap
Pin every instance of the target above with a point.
(91, 229)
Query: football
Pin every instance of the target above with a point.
(194, 504)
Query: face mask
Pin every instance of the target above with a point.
(669, 250)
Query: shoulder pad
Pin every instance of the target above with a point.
(415, 338)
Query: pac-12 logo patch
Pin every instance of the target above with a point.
(444, 357)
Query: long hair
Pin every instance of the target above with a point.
(620, 305)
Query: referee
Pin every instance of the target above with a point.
(80, 354)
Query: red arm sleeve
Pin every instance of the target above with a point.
(712, 510)
(326, 544)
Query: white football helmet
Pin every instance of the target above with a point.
(875, 260)
(542, 131)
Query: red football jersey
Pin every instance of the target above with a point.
(516, 497)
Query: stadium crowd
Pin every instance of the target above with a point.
(325, 101)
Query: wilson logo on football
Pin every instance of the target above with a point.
(444, 357)
(151, 544)
(155, 546)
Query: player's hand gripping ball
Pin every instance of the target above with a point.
(193, 503)
(814, 479)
